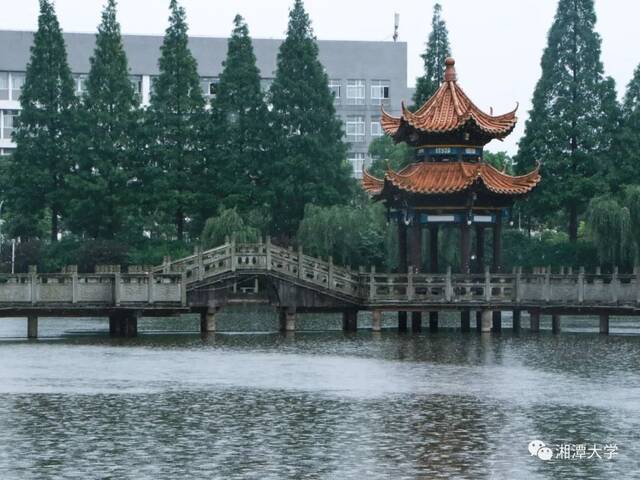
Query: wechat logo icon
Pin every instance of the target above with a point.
(539, 449)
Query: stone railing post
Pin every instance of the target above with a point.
(517, 285)
(33, 272)
(581, 285)
(546, 289)
(183, 289)
(330, 277)
(74, 287)
(116, 289)
(636, 271)
(232, 253)
(200, 260)
(300, 262)
(150, 282)
(268, 249)
(372, 283)
(487, 284)
(410, 290)
(614, 285)
(448, 288)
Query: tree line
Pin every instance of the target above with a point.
(100, 167)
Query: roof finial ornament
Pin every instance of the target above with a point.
(450, 70)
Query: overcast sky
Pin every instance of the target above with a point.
(497, 44)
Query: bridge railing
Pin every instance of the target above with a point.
(541, 286)
(93, 289)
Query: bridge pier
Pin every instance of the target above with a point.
(433, 321)
(479, 320)
(32, 326)
(465, 320)
(604, 323)
(497, 321)
(516, 320)
(402, 321)
(124, 324)
(555, 323)
(376, 320)
(416, 321)
(208, 320)
(350, 320)
(534, 320)
(288, 317)
(487, 320)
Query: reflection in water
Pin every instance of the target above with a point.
(313, 405)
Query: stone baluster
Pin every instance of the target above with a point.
(268, 248)
(150, 283)
(116, 289)
(33, 274)
(487, 284)
(232, 250)
(330, 275)
(300, 262)
(410, 289)
(448, 289)
(614, 285)
(372, 283)
(581, 285)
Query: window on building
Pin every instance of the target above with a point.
(335, 86)
(7, 123)
(379, 92)
(4, 85)
(357, 163)
(355, 129)
(80, 83)
(355, 92)
(136, 82)
(376, 127)
(265, 84)
(17, 81)
(209, 87)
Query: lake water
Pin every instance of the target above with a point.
(319, 405)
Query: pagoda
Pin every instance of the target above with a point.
(449, 183)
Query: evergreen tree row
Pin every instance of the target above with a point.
(101, 167)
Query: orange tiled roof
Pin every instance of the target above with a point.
(450, 109)
(451, 177)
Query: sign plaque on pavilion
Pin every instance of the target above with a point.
(449, 183)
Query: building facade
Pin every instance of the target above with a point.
(364, 76)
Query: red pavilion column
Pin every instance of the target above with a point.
(402, 266)
(465, 246)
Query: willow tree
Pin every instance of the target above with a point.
(609, 225)
(437, 51)
(573, 119)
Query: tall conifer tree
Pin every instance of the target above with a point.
(626, 148)
(240, 120)
(310, 166)
(176, 116)
(105, 166)
(573, 119)
(39, 167)
(434, 56)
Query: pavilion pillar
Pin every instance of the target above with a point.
(402, 247)
(479, 248)
(416, 247)
(433, 249)
(465, 247)
(497, 243)
(402, 267)
(487, 316)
